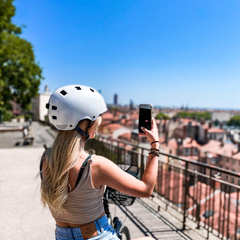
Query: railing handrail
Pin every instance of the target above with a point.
(190, 188)
(176, 157)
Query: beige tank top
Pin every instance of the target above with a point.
(84, 203)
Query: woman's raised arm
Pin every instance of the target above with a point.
(105, 172)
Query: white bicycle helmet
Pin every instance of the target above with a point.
(70, 104)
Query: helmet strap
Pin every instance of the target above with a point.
(85, 134)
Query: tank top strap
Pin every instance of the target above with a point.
(86, 161)
(82, 169)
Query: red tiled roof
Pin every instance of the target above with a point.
(106, 122)
(126, 136)
(216, 130)
(236, 156)
(205, 126)
(216, 147)
(114, 126)
(134, 115)
(107, 115)
(172, 188)
(187, 121)
(172, 143)
(188, 143)
(190, 158)
(126, 147)
(161, 140)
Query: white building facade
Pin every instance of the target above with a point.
(39, 109)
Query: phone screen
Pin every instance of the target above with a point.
(145, 117)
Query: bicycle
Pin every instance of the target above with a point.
(113, 196)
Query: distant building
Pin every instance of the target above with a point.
(115, 100)
(223, 116)
(39, 110)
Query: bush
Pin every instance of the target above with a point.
(196, 115)
(19, 117)
(28, 116)
(7, 116)
(162, 116)
(234, 121)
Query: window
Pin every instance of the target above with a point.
(214, 160)
(226, 177)
(227, 160)
(234, 161)
(232, 179)
(187, 151)
(239, 182)
(195, 151)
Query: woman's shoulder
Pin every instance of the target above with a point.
(97, 159)
(102, 164)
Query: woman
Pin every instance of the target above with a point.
(73, 182)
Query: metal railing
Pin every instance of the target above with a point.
(192, 189)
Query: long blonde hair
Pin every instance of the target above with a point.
(60, 158)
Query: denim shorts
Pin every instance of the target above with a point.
(104, 229)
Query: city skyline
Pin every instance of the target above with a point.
(174, 53)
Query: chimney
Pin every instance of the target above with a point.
(209, 125)
(202, 120)
(167, 132)
(232, 152)
(179, 120)
(166, 137)
(221, 142)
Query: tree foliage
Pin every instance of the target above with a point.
(234, 121)
(195, 115)
(20, 75)
(162, 116)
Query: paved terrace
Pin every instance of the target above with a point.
(23, 216)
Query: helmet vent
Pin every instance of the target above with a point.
(63, 92)
(78, 88)
(91, 89)
(54, 117)
(54, 107)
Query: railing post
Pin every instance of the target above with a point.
(170, 153)
(185, 196)
(142, 163)
(168, 180)
(236, 220)
(119, 157)
(209, 202)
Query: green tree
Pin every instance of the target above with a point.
(20, 75)
(162, 116)
(234, 121)
(196, 115)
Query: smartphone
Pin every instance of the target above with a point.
(145, 117)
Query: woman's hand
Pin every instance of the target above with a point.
(152, 134)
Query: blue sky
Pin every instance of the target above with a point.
(163, 52)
